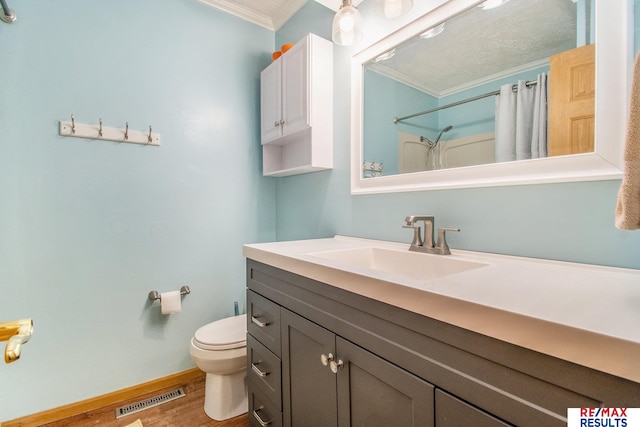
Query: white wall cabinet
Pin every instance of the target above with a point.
(296, 104)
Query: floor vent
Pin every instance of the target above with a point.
(149, 403)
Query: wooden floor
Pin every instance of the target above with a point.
(186, 411)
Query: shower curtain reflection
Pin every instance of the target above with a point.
(521, 120)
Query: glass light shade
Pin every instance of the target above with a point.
(347, 26)
(392, 8)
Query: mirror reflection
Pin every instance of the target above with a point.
(490, 85)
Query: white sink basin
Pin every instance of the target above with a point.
(409, 264)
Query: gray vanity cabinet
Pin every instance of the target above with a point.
(328, 381)
(397, 368)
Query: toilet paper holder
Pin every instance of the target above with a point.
(155, 295)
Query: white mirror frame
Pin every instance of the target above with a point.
(614, 60)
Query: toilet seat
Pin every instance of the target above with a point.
(224, 334)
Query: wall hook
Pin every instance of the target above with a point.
(7, 15)
(107, 133)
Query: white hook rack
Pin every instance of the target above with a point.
(100, 132)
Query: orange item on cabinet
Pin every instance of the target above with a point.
(275, 55)
(286, 47)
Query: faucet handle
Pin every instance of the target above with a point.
(417, 236)
(442, 240)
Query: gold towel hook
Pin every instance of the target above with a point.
(16, 333)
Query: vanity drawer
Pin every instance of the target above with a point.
(263, 321)
(264, 370)
(451, 411)
(262, 411)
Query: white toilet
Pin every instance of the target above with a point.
(220, 350)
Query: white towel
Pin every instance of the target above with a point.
(628, 206)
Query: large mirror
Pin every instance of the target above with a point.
(434, 104)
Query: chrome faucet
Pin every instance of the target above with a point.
(424, 243)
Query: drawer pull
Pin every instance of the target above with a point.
(258, 371)
(255, 320)
(257, 416)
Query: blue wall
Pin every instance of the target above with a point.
(571, 222)
(88, 228)
(393, 99)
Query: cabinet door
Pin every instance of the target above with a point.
(308, 387)
(375, 393)
(295, 88)
(271, 101)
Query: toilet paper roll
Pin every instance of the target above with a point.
(170, 302)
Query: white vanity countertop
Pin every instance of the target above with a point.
(586, 314)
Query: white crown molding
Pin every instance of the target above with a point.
(289, 9)
(488, 79)
(241, 12)
(272, 23)
(402, 78)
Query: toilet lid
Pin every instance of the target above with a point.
(223, 334)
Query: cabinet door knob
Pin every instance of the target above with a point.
(281, 122)
(257, 416)
(335, 366)
(326, 358)
(276, 123)
(255, 320)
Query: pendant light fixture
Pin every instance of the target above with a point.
(347, 25)
(392, 8)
